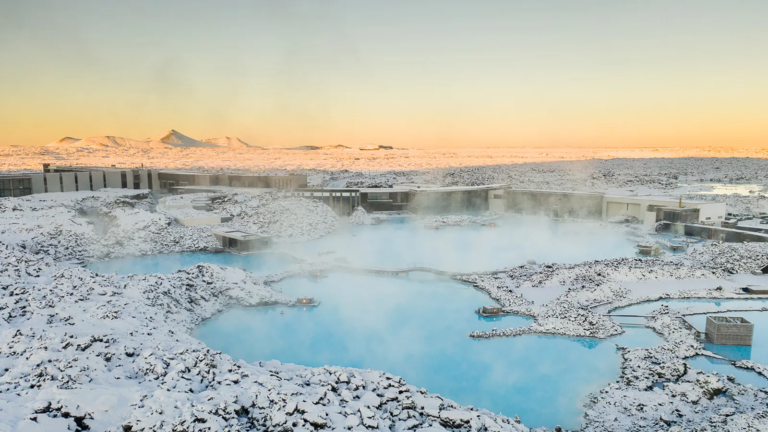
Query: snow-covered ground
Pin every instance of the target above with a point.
(110, 352)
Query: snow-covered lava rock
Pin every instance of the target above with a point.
(85, 351)
(361, 217)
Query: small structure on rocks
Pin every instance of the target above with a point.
(648, 250)
(722, 330)
(306, 301)
(488, 311)
(752, 291)
(240, 241)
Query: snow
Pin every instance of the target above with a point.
(115, 352)
(105, 224)
(167, 140)
(657, 288)
(361, 217)
(229, 142)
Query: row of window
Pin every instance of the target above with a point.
(15, 187)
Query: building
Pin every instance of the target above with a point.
(306, 301)
(342, 201)
(455, 199)
(644, 208)
(66, 178)
(384, 200)
(722, 330)
(678, 214)
(63, 178)
(489, 311)
(15, 185)
(173, 179)
(240, 242)
(557, 204)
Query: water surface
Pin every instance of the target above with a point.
(417, 327)
(743, 376)
(648, 307)
(758, 352)
(511, 241)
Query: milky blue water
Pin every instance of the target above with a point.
(512, 241)
(757, 352)
(646, 308)
(417, 327)
(743, 376)
(262, 263)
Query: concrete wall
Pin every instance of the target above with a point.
(53, 181)
(97, 180)
(555, 203)
(643, 208)
(447, 201)
(155, 180)
(618, 208)
(143, 179)
(716, 233)
(114, 179)
(713, 212)
(130, 183)
(38, 183)
(68, 182)
(202, 220)
(83, 181)
(497, 201)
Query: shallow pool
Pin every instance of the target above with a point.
(262, 263)
(648, 307)
(417, 327)
(743, 376)
(757, 352)
(512, 241)
(722, 189)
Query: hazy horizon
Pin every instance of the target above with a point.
(431, 74)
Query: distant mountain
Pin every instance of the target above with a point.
(229, 142)
(65, 141)
(376, 147)
(101, 141)
(334, 147)
(178, 139)
(170, 139)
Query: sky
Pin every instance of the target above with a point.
(426, 73)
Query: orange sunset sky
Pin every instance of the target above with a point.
(422, 73)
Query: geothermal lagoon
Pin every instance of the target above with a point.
(510, 241)
(418, 327)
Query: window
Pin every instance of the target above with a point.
(498, 196)
(719, 217)
(378, 196)
(709, 218)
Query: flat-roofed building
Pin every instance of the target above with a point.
(15, 185)
(171, 179)
(240, 241)
(644, 208)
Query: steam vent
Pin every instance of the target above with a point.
(722, 330)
